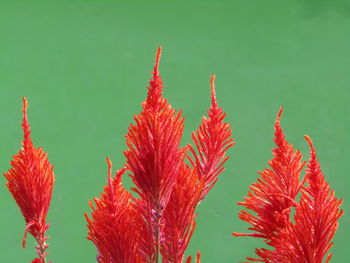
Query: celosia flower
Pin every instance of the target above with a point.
(308, 239)
(180, 216)
(169, 183)
(30, 181)
(154, 158)
(212, 139)
(114, 222)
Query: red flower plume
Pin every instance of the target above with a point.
(114, 223)
(30, 181)
(169, 183)
(212, 139)
(309, 238)
(154, 157)
(316, 219)
(272, 197)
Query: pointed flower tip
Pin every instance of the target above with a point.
(278, 119)
(25, 105)
(25, 124)
(308, 139)
(156, 65)
(109, 165)
(311, 144)
(213, 93)
(108, 161)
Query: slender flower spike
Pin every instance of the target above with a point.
(212, 139)
(154, 157)
(30, 181)
(309, 239)
(113, 226)
(272, 197)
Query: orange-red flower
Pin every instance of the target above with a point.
(30, 181)
(212, 139)
(308, 238)
(168, 182)
(114, 223)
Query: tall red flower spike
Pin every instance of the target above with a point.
(272, 197)
(309, 239)
(212, 139)
(114, 223)
(30, 181)
(154, 157)
(169, 184)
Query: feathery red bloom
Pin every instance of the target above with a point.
(114, 223)
(154, 157)
(169, 188)
(272, 197)
(179, 215)
(309, 239)
(316, 216)
(212, 139)
(30, 181)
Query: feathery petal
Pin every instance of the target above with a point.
(30, 181)
(212, 139)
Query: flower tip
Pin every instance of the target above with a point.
(156, 65)
(108, 161)
(212, 88)
(309, 141)
(278, 119)
(25, 105)
(109, 164)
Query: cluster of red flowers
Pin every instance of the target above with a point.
(170, 181)
(307, 239)
(155, 221)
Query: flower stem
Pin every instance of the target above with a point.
(42, 246)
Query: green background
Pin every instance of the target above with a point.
(84, 66)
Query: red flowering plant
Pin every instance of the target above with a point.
(30, 181)
(307, 238)
(170, 181)
(296, 216)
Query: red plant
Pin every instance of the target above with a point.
(308, 239)
(115, 222)
(30, 181)
(169, 183)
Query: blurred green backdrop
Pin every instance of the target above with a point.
(84, 66)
